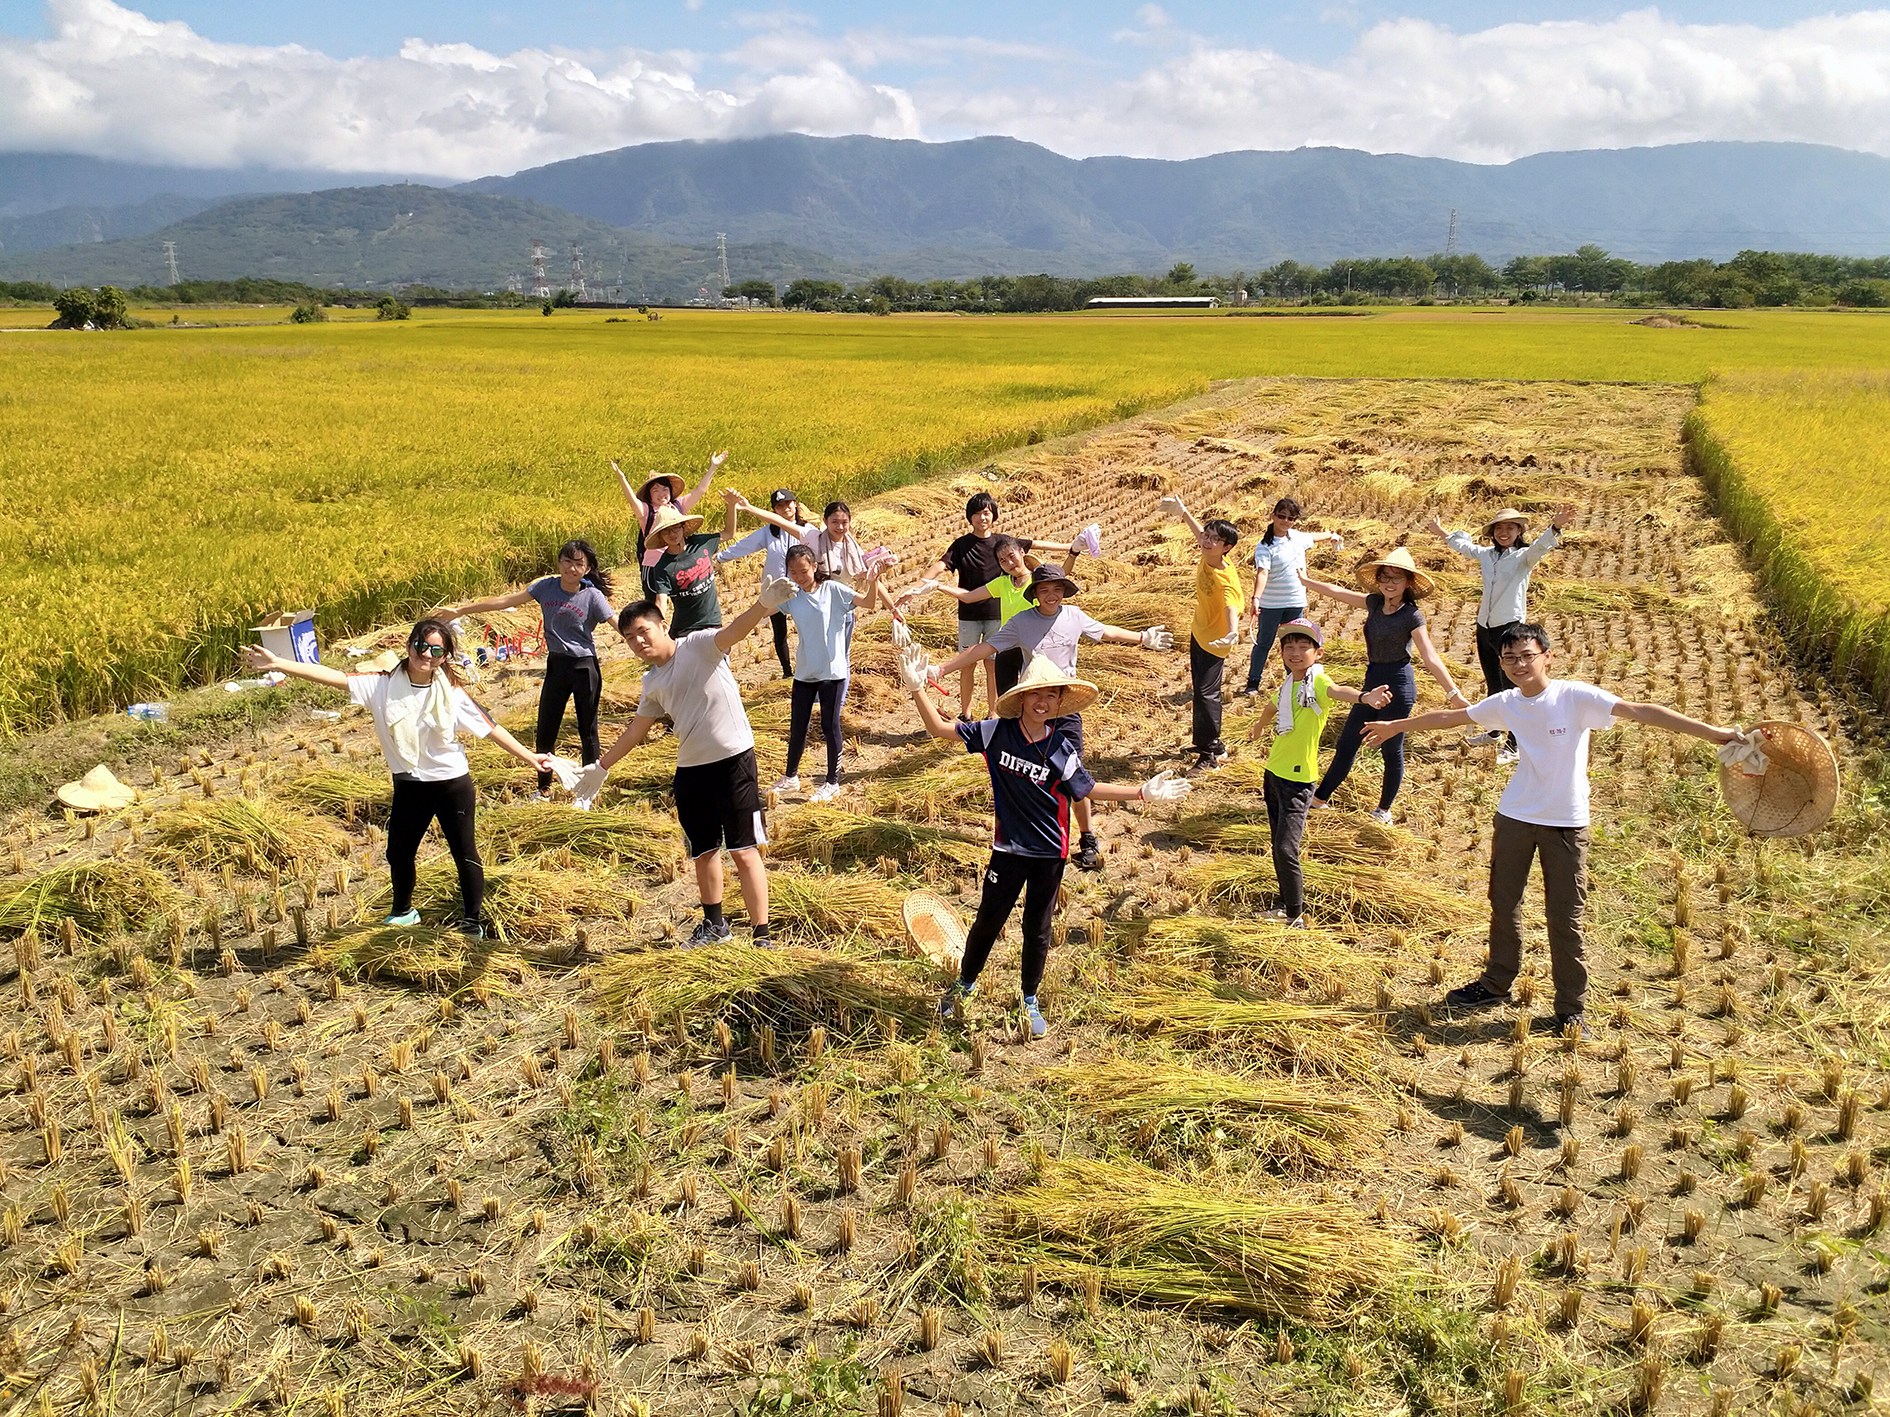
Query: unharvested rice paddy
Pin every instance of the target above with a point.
(258, 1152)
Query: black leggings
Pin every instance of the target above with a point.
(1489, 648)
(779, 621)
(568, 677)
(800, 714)
(1403, 684)
(416, 804)
(1037, 879)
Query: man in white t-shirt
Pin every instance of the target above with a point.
(718, 798)
(1544, 808)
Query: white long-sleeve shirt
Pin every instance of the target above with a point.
(770, 541)
(1505, 577)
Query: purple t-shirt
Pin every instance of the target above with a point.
(570, 616)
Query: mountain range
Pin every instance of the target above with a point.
(840, 208)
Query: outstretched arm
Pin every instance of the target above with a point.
(1379, 733)
(629, 492)
(967, 658)
(1173, 506)
(631, 737)
(774, 595)
(541, 761)
(764, 514)
(256, 657)
(1659, 716)
(488, 605)
(1333, 592)
(695, 494)
(1427, 652)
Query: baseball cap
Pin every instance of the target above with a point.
(780, 495)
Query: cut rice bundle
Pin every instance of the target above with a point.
(427, 958)
(517, 830)
(820, 909)
(793, 987)
(342, 792)
(1153, 1239)
(1365, 895)
(524, 902)
(245, 833)
(101, 898)
(1319, 1037)
(853, 840)
(1333, 837)
(1263, 951)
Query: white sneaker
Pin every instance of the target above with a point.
(1089, 540)
(1381, 816)
(1318, 806)
(541, 797)
(1505, 757)
(787, 784)
(826, 792)
(1477, 740)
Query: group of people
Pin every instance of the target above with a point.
(1018, 618)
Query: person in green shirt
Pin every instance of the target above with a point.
(1010, 591)
(1306, 698)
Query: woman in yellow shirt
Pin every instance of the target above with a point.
(1218, 599)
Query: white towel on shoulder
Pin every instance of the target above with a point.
(432, 709)
(1307, 697)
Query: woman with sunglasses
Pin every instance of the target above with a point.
(1277, 594)
(419, 709)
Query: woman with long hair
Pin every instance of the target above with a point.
(575, 602)
(1277, 594)
(662, 489)
(419, 708)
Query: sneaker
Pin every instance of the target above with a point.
(1250, 692)
(826, 792)
(1505, 756)
(1298, 922)
(1202, 766)
(708, 933)
(1088, 540)
(956, 997)
(1474, 995)
(1035, 1017)
(1274, 914)
(1381, 816)
(472, 929)
(1489, 735)
(1318, 805)
(787, 784)
(1573, 1027)
(1088, 853)
(412, 917)
(541, 797)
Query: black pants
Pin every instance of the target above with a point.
(801, 712)
(1489, 646)
(569, 677)
(1288, 802)
(1036, 878)
(779, 621)
(416, 804)
(1403, 695)
(1206, 671)
(1008, 667)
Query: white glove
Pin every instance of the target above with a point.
(1746, 753)
(901, 632)
(777, 592)
(913, 670)
(589, 783)
(1172, 507)
(1226, 641)
(567, 772)
(1157, 637)
(1166, 787)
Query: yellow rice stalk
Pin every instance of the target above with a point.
(1277, 1121)
(427, 958)
(1154, 1239)
(960, 786)
(1366, 895)
(862, 840)
(1265, 951)
(793, 985)
(100, 897)
(337, 790)
(250, 834)
(525, 902)
(514, 830)
(1187, 1007)
(1330, 836)
(817, 909)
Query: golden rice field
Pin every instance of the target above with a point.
(162, 488)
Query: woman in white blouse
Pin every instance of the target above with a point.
(1278, 596)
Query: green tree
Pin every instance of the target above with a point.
(308, 313)
(1180, 278)
(805, 294)
(759, 291)
(75, 307)
(389, 308)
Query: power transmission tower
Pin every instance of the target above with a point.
(1450, 241)
(721, 266)
(540, 290)
(577, 273)
(170, 260)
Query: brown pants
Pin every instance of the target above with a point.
(1564, 884)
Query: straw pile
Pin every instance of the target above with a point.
(1198, 1008)
(101, 898)
(524, 902)
(841, 838)
(427, 958)
(249, 834)
(1154, 1239)
(1365, 895)
(791, 987)
(817, 909)
(342, 792)
(1264, 952)
(523, 829)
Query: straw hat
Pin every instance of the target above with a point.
(1040, 673)
(675, 486)
(934, 929)
(1508, 514)
(666, 517)
(98, 791)
(1042, 575)
(1795, 794)
(1399, 560)
(386, 662)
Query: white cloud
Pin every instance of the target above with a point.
(114, 83)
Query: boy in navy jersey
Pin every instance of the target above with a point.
(1037, 773)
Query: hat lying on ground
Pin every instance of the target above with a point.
(1040, 673)
(98, 791)
(666, 517)
(1796, 789)
(1399, 560)
(1041, 575)
(934, 928)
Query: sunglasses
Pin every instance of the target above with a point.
(431, 651)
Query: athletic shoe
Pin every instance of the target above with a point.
(1088, 853)
(541, 797)
(1318, 805)
(472, 929)
(826, 792)
(1274, 914)
(1505, 756)
(1474, 995)
(1298, 922)
(1381, 816)
(956, 997)
(1571, 1026)
(1251, 691)
(412, 917)
(787, 784)
(1088, 540)
(1031, 1012)
(1477, 740)
(709, 932)
(1202, 766)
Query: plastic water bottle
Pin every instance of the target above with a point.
(151, 713)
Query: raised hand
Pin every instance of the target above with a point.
(913, 670)
(777, 592)
(1173, 506)
(1564, 513)
(1166, 787)
(1437, 527)
(719, 459)
(1157, 637)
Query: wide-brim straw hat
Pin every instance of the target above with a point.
(675, 486)
(1508, 514)
(98, 791)
(666, 517)
(386, 662)
(1399, 560)
(1795, 794)
(1044, 575)
(934, 929)
(1040, 673)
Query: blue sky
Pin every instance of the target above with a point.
(465, 90)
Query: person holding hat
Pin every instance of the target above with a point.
(419, 708)
(684, 574)
(662, 489)
(820, 609)
(1543, 810)
(718, 797)
(1306, 698)
(1216, 629)
(772, 541)
(1037, 774)
(1053, 628)
(1278, 558)
(574, 602)
(1394, 626)
(1506, 564)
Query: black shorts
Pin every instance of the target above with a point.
(719, 804)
